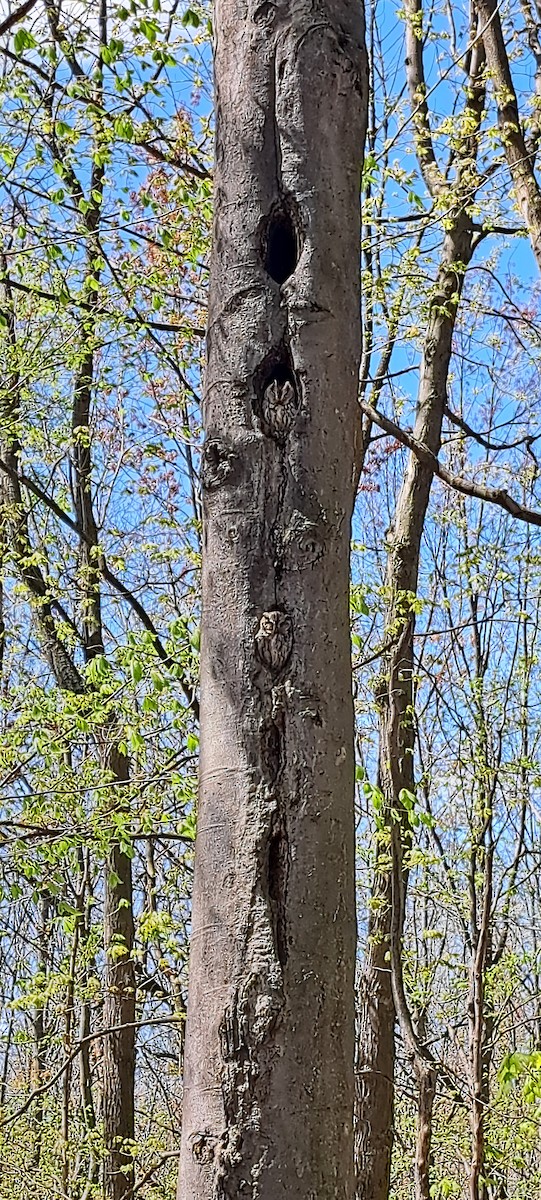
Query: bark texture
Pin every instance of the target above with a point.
(269, 1049)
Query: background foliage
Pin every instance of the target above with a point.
(105, 195)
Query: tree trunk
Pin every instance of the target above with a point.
(426, 1084)
(376, 1053)
(269, 1052)
(381, 991)
(520, 157)
(395, 699)
(40, 1042)
(118, 1009)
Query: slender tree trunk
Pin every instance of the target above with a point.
(39, 1033)
(7, 1052)
(426, 1077)
(67, 1077)
(481, 864)
(88, 1107)
(395, 699)
(520, 157)
(88, 1111)
(119, 1007)
(118, 925)
(268, 1099)
(478, 1041)
(376, 1052)
(382, 991)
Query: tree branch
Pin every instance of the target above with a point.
(18, 14)
(484, 441)
(106, 572)
(498, 496)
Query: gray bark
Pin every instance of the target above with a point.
(269, 1050)
(376, 1054)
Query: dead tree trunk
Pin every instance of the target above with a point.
(269, 1051)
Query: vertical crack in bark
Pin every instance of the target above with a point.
(247, 1026)
(258, 1003)
(278, 870)
(271, 750)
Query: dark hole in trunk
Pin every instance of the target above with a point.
(282, 247)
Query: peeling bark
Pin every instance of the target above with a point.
(269, 1047)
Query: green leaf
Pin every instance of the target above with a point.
(191, 17)
(136, 669)
(149, 29)
(158, 681)
(23, 40)
(187, 828)
(123, 128)
(407, 799)
(135, 739)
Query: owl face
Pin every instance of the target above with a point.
(279, 407)
(274, 640)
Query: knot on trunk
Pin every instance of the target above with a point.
(218, 462)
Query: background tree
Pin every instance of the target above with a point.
(99, 637)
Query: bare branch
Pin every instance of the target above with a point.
(17, 15)
(497, 496)
(108, 575)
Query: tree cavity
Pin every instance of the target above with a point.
(281, 242)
